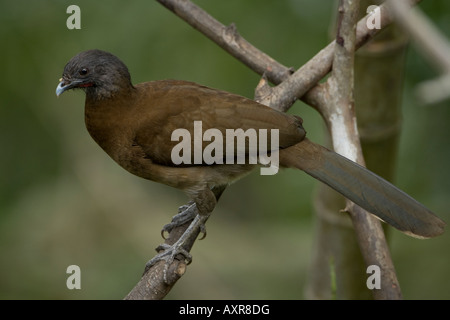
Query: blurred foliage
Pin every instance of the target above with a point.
(63, 201)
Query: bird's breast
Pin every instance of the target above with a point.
(110, 129)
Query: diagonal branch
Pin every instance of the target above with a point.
(229, 39)
(433, 45)
(293, 86)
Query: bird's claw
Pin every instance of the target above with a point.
(186, 213)
(168, 254)
(203, 232)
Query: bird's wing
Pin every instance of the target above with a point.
(170, 105)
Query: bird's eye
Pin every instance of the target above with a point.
(84, 71)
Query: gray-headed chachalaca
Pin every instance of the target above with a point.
(134, 124)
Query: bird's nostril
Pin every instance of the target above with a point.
(63, 82)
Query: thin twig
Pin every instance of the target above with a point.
(429, 40)
(433, 45)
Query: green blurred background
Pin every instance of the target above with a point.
(64, 202)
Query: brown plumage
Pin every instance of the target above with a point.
(134, 125)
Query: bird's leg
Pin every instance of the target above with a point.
(183, 244)
(203, 203)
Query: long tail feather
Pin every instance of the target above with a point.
(364, 188)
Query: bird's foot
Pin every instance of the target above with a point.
(177, 250)
(186, 213)
(169, 253)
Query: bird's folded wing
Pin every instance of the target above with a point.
(187, 104)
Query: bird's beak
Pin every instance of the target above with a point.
(65, 85)
(62, 86)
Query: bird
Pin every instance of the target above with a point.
(135, 125)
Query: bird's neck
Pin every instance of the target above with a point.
(106, 119)
(110, 91)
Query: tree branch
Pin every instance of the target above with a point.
(433, 45)
(338, 112)
(229, 39)
(293, 86)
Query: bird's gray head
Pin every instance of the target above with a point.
(100, 74)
